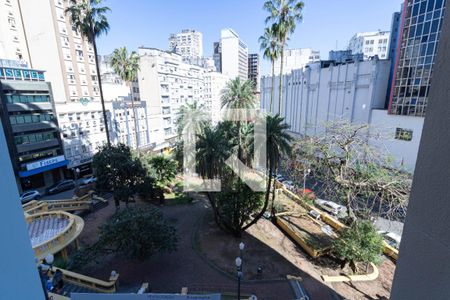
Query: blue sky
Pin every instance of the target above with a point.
(325, 23)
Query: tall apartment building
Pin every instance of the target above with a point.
(166, 83)
(217, 56)
(13, 45)
(420, 33)
(295, 59)
(215, 84)
(188, 43)
(253, 69)
(28, 117)
(371, 44)
(124, 121)
(48, 41)
(234, 55)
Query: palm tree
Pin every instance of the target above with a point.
(238, 95)
(285, 14)
(191, 117)
(127, 67)
(270, 46)
(278, 143)
(89, 19)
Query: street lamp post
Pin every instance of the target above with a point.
(239, 275)
(305, 174)
(77, 175)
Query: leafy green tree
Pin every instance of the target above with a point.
(271, 48)
(236, 204)
(118, 171)
(127, 66)
(359, 243)
(165, 169)
(137, 233)
(284, 14)
(89, 19)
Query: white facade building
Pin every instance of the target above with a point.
(234, 55)
(215, 84)
(166, 83)
(188, 43)
(13, 44)
(371, 44)
(295, 59)
(124, 121)
(355, 92)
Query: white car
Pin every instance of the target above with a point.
(331, 207)
(289, 184)
(88, 180)
(30, 195)
(391, 238)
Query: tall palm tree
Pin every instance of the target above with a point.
(127, 66)
(278, 143)
(89, 19)
(285, 14)
(239, 95)
(271, 51)
(191, 116)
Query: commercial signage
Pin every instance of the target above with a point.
(21, 74)
(45, 162)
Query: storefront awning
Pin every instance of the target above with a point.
(43, 169)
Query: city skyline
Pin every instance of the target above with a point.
(314, 32)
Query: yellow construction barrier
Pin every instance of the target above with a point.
(365, 277)
(334, 223)
(300, 241)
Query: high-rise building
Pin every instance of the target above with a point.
(295, 59)
(370, 44)
(166, 83)
(393, 47)
(53, 45)
(217, 56)
(234, 55)
(420, 32)
(253, 69)
(215, 83)
(188, 43)
(13, 45)
(31, 127)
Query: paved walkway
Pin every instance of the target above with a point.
(171, 271)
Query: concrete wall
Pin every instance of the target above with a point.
(423, 268)
(19, 279)
(403, 152)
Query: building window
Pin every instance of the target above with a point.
(403, 134)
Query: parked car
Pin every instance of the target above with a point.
(61, 186)
(331, 207)
(289, 184)
(280, 178)
(88, 180)
(391, 238)
(27, 196)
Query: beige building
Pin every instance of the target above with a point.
(188, 43)
(43, 36)
(13, 45)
